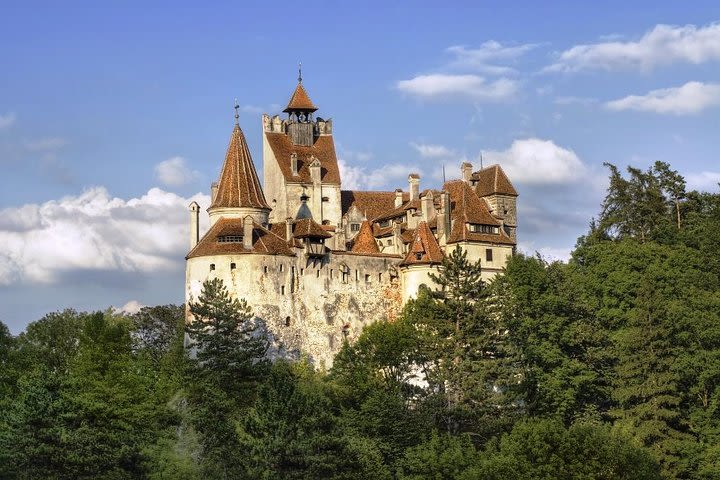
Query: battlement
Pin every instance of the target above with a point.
(276, 124)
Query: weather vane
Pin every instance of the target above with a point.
(237, 115)
(299, 72)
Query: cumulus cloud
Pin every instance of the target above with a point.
(174, 172)
(93, 232)
(482, 58)
(360, 178)
(432, 151)
(537, 161)
(7, 120)
(663, 45)
(133, 306)
(693, 97)
(703, 181)
(443, 86)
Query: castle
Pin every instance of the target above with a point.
(316, 263)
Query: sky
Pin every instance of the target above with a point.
(114, 116)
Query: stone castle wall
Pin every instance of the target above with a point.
(307, 306)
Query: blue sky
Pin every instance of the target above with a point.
(114, 115)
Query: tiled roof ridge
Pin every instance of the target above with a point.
(239, 185)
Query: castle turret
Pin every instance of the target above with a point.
(194, 224)
(238, 191)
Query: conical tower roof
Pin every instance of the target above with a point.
(365, 240)
(239, 186)
(300, 100)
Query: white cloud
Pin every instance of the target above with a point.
(174, 172)
(133, 306)
(353, 178)
(479, 59)
(387, 176)
(536, 161)
(703, 181)
(663, 45)
(441, 85)
(432, 151)
(94, 232)
(7, 120)
(690, 98)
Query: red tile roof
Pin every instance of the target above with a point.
(239, 185)
(491, 180)
(323, 149)
(371, 204)
(264, 241)
(424, 249)
(300, 100)
(307, 227)
(460, 233)
(467, 206)
(364, 241)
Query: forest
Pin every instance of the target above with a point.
(603, 367)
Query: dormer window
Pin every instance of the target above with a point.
(354, 227)
(230, 239)
(477, 228)
(385, 223)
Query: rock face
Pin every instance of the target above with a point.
(317, 263)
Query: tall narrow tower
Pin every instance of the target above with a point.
(238, 193)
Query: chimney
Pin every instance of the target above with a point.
(247, 233)
(294, 164)
(397, 238)
(398, 198)
(194, 224)
(443, 224)
(315, 170)
(213, 192)
(414, 181)
(288, 229)
(466, 169)
(427, 207)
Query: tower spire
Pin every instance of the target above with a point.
(299, 72)
(237, 115)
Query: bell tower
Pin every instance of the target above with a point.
(300, 109)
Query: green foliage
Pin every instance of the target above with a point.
(546, 450)
(442, 457)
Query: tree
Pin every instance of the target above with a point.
(546, 450)
(227, 344)
(229, 361)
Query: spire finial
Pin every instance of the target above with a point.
(237, 115)
(299, 72)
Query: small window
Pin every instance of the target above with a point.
(302, 272)
(331, 273)
(288, 321)
(488, 254)
(385, 223)
(265, 269)
(292, 270)
(418, 256)
(212, 267)
(317, 274)
(232, 266)
(230, 239)
(379, 277)
(357, 275)
(281, 267)
(325, 199)
(367, 278)
(282, 289)
(389, 242)
(354, 227)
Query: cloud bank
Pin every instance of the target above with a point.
(93, 232)
(663, 45)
